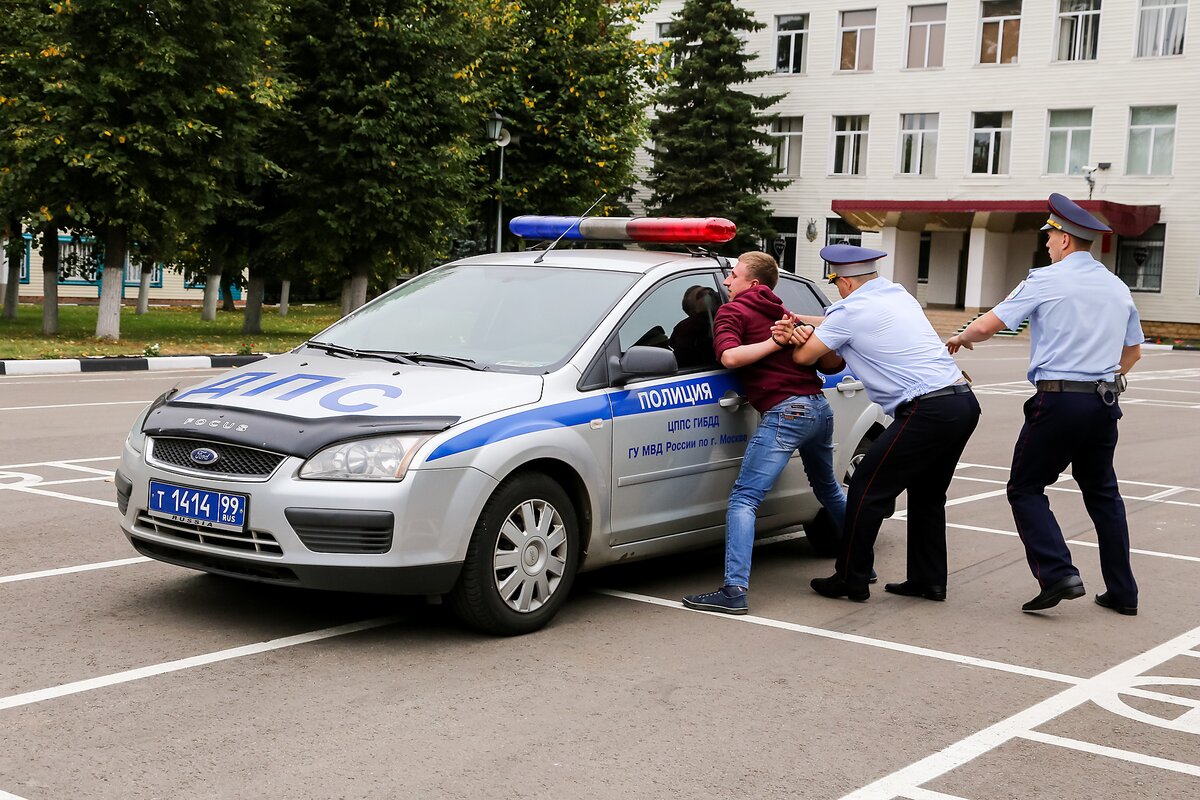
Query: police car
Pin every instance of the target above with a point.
(485, 431)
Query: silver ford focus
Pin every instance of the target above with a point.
(485, 432)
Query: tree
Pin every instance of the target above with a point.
(711, 156)
(141, 115)
(377, 140)
(572, 83)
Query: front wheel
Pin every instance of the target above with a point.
(522, 558)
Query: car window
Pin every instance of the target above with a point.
(678, 315)
(800, 297)
(521, 318)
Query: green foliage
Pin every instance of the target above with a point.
(572, 84)
(711, 156)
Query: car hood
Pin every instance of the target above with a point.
(300, 402)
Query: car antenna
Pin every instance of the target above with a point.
(542, 255)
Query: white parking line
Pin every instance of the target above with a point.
(883, 644)
(1111, 752)
(78, 405)
(59, 463)
(76, 687)
(6, 796)
(61, 496)
(1076, 542)
(49, 573)
(903, 781)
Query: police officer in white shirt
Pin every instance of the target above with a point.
(888, 343)
(1085, 335)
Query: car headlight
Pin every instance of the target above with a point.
(137, 437)
(384, 458)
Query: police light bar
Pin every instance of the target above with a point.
(659, 230)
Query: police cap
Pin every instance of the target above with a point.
(848, 261)
(1067, 216)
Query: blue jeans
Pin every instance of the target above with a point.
(799, 423)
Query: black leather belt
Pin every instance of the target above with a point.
(1086, 387)
(954, 388)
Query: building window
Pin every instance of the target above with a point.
(992, 142)
(918, 144)
(858, 41)
(787, 135)
(849, 145)
(926, 36)
(1078, 29)
(923, 253)
(1151, 141)
(1160, 27)
(1001, 31)
(791, 39)
(676, 50)
(838, 231)
(1068, 141)
(1140, 260)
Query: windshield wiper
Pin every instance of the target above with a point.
(436, 359)
(337, 349)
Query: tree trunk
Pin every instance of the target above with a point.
(346, 308)
(359, 275)
(227, 297)
(112, 284)
(50, 256)
(252, 322)
(16, 253)
(284, 288)
(212, 291)
(144, 289)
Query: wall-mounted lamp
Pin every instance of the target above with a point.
(810, 231)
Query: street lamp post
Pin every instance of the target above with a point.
(494, 124)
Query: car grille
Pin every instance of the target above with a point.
(249, 541)
(231, 459)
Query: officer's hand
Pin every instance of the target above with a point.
(954, 343)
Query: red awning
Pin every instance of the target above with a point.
(999, 215)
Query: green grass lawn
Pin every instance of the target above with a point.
(176, 331)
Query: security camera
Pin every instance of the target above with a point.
(1089, 169)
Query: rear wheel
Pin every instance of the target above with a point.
(522, 559)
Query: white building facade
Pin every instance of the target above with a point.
(936, 130)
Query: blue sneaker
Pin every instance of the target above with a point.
(726, 600)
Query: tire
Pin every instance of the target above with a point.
(522, 558)
(823, 536)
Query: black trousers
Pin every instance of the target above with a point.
(1076, 429)
(918, 452)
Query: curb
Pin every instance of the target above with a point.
(64, 366)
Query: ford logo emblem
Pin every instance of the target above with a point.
(204, 455)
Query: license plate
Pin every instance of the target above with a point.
(208, 509)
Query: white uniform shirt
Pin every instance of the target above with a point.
(1080, 318)
(888, 343)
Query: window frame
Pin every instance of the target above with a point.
(1160, 13)
(1071, 131)
(992, 143)
(999, 21)
(1123, 246)
(858, 41)
(782, 144)
(928, 30)
(1078, 33)
(1153, 128)
(856, 141)
(920, 135)
(792, 35)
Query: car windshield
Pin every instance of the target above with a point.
(518, 318)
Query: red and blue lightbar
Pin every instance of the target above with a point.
(659, 230)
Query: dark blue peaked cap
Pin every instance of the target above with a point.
(847, 260)
(1066, 215)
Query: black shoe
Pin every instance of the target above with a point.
(874, 577)
(1068, 588)
(914, 589)
(1104, 601)
(836, 587)
(726, 600)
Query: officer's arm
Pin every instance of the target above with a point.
(980, 330)
(812, 351)
(807, 320)
(1129, 356)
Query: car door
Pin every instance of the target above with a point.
(678, 440)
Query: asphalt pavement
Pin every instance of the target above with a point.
(127, 678)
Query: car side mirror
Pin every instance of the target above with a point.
(642, 361)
